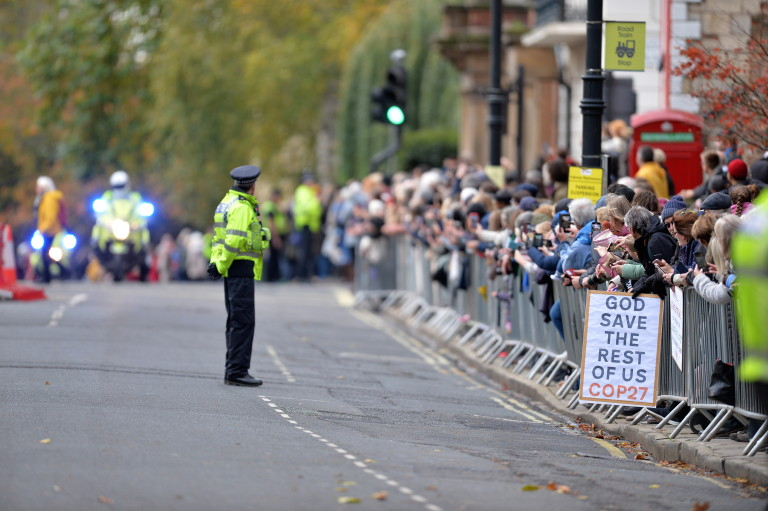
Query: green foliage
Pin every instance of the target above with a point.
(429, 147)
(432, 82)
(86, 61)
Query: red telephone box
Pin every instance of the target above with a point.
(678, 134)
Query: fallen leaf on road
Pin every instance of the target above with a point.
(105, 500)
(347, 483)
(47, 383)
(559, 488)
(530, 487)
(639, 457)
(349, 500)
(700, 506)
(431, 488)
(582, 497)
(342, 490)
(56, 487)
(380, 495)
(45, 441)
(654, 486)
(369, 460)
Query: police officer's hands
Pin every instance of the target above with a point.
(213, 272)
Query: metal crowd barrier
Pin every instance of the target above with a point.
(502, 320)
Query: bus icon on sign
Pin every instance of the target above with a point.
(626, 48)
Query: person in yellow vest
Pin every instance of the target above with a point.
(307, 217)
(749, 250)
(239, 241)
(652, 172)
(49, 205)
(278, 224)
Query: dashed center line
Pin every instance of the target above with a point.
(279, 363)
(59, 312)
(360, 464)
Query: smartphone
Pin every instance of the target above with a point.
(512, 244)
(701, 261)
(538, 240)
(548, 243)
(473, 220)
(565, 222)
(658, 268)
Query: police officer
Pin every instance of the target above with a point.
(239, 241)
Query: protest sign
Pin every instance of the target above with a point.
(620, 357)
(676, 325)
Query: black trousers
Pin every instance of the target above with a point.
(241, 323)
(306, 258)
(45, 257)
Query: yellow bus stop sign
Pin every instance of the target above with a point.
(624, 46)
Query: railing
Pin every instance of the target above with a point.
(504, 320)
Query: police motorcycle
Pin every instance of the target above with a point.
(120, 237)
(61, 254)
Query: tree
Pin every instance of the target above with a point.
(87, 61)
(732, 84)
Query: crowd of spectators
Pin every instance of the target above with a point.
(630, 240)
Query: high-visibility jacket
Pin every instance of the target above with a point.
(48, 213)
(124, 206)
(749, 250)
(270, 208)
(238, 233)
(307, 209)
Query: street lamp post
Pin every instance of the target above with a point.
(592, 104)
(496, 97)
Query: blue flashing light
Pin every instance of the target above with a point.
(69, 241)
(146, 209)
(99, 206)
(37, 241)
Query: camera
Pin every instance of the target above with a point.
(565, 222)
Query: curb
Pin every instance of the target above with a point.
(718, 455)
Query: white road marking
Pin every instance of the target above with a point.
(279, 363)
(58, 314)
(362, 465)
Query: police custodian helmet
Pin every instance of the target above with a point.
(245, 174)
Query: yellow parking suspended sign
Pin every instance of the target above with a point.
(585, 182)
(624, 46)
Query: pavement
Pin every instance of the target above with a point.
(721, 455)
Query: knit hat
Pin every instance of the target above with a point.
(737, 169)
(676, 203)
(528, 204)
(717, 201)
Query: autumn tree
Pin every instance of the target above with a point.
(87, 60)
(732, 82)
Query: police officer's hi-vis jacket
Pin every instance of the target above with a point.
(238, 233)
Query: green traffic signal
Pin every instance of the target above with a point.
(395, 115)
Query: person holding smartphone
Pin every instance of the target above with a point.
(719, 288)
(688, 248)
(652, 242)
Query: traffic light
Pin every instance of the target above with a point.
(388, 102)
